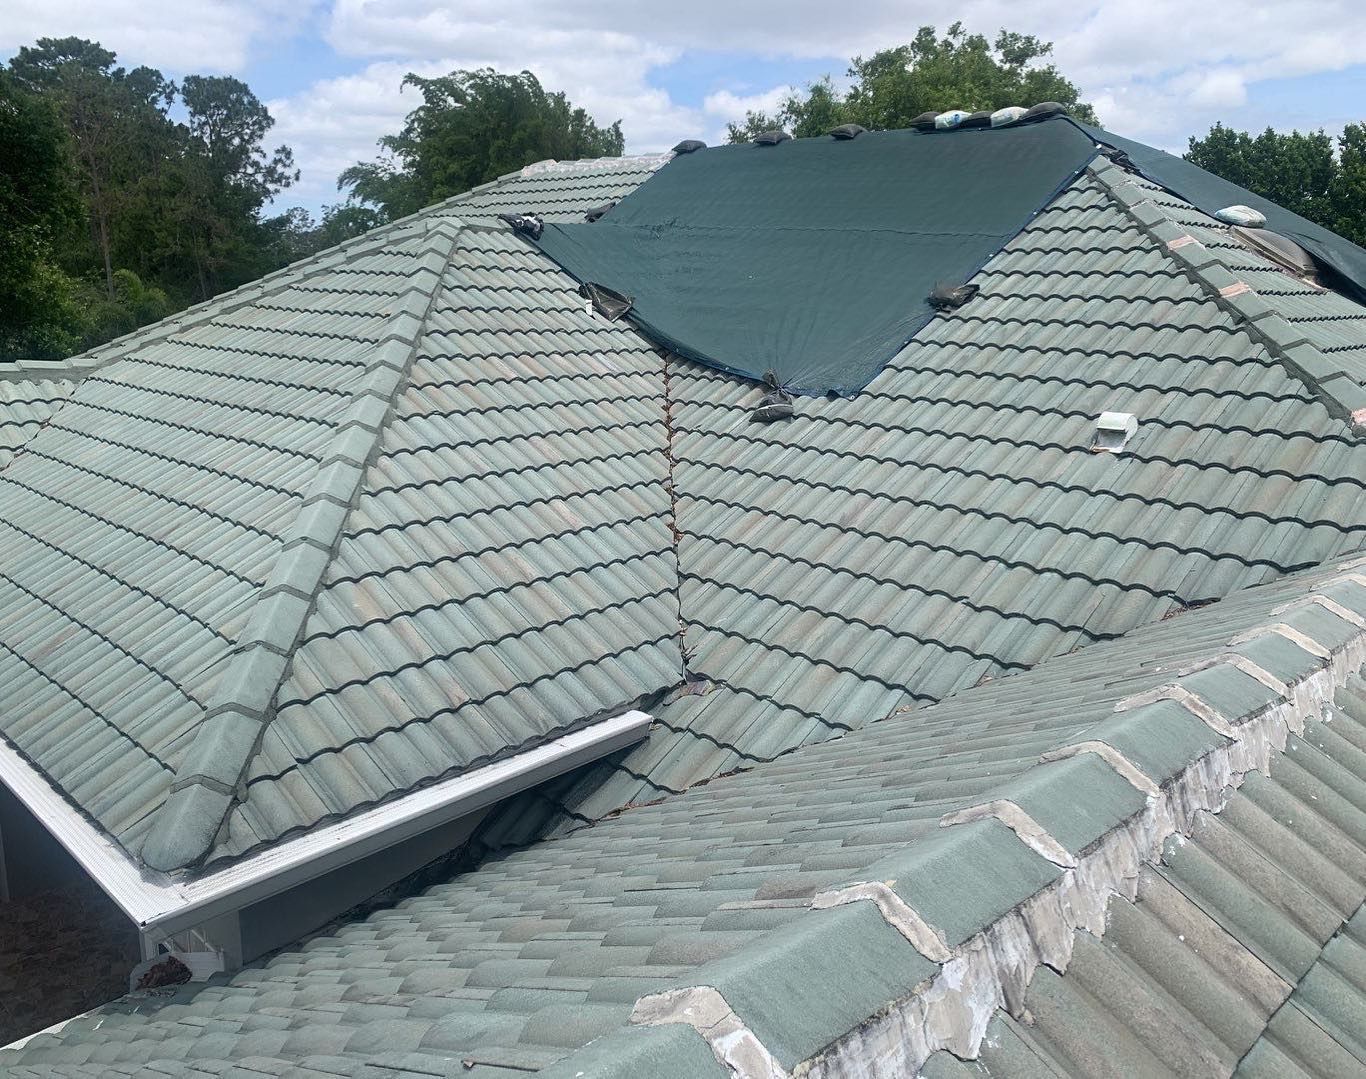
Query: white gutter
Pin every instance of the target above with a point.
(163, 905)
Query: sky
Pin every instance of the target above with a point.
(330, 72)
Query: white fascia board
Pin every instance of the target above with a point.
(161, 904)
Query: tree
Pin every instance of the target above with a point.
(38, 202)
(106, 111)
(1295, 171)
(1349, 188)
(931, 74)
(225, 177)
(472, 127)
(1303, 172)
(149, 213)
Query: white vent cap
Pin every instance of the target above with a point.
(1008, 115)
(1113, 431)
(1241, 215)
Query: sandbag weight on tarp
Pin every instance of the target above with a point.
(845, 132)
(526, 224)
(1044, 110)
(773, 406)
(597, 211)
(771, 138)
(689, 146)
(1244, 216)
(948, 297)
(609, 303)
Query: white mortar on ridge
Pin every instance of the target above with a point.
(993, 969)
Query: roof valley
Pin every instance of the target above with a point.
(235, 717)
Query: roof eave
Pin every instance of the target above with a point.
(162, 904)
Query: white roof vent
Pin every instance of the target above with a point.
(1008, 115)
(1113, 431)
(1282, 250)
(1245, 216)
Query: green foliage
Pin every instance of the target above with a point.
(133, 304)
(931, 74)
(37, 205)
(472, 127)
(143, 213)
(1306, 173)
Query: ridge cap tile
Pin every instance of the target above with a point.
(224, 744)
(1343, 396)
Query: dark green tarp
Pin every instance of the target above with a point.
(814, 259)
(1210, 194)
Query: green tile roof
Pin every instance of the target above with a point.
(25, 406)
(409, 507)
(540, 952)
(950, 524)
(1242, 952)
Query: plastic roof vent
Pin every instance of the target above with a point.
(1113, 431)
(1281, 250)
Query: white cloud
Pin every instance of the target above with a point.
(724, 106)
(208, 36)
(338, 121)
(1159, 70)
(731, 106)
(1219, 90)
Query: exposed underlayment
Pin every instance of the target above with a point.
(993, 969)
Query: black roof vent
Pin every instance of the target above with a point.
(978, 119)
(847, 131)
(687, 146)
(947, 297)
(526, 224)
(771, 138)
(1043, 110)
(597, 211)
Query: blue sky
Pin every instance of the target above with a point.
(330, 69)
